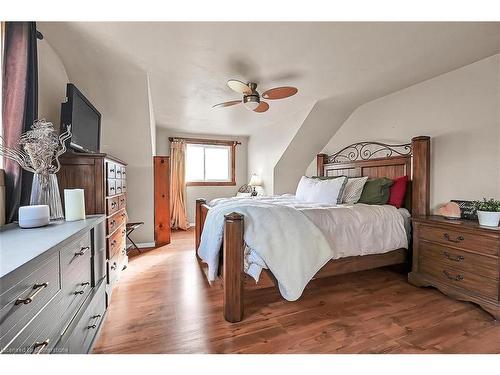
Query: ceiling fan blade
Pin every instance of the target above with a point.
(239, 87)
(227, 104)
(280, 92)
(263, 106)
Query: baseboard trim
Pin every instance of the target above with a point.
(142, 245)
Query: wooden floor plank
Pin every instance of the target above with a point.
(163, 304)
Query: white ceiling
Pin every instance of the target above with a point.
(189, 63)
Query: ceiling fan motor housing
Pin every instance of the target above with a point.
(251, 101)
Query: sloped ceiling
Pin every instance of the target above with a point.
(189, 63)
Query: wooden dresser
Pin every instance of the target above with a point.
(104, 179)
(460, 258)
(52, 286)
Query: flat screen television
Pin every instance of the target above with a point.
(84, 118)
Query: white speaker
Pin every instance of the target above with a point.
(34, 216)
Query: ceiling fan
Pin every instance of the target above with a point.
(251, 98)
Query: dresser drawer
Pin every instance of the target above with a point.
(124, 186)
(110, 187)
(460, 279)
(110, 169)
(118, 186)
(116, 220)
(112, 205)
(116, 242)
(19, 303)
(122, 201)
(82, 335)
(463, 240)
(118, 171)
(76, 275)
(41, 334)
(461, 260)
(124, 173)
(75, 259)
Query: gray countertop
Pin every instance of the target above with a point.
(18, 246)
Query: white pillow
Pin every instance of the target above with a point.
(238, 194)
(353, 189)
(314, 190)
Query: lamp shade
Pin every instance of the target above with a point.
(255, 180)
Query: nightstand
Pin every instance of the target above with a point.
(458, 257)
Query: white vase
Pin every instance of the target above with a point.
(488, 219)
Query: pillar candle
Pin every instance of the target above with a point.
(74, 204)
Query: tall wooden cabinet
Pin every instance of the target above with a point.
(104, 180)
(161, 169)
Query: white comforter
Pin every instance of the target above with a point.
(295, 239)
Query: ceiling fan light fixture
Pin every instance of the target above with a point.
(251, 102)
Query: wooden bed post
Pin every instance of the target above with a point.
(421, 161)
(321, 160)
(233, 267)
(198, 221)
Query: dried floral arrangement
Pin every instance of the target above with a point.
(39, 149)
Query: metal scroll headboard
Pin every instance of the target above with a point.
(369, 150)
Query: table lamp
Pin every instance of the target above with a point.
(255, 181)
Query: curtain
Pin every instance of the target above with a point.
(178, 215)
(19, 105)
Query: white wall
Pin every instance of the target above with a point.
(119, 90)
(459, 110)
(207, 192)
(52, 80)
(325, 118)
(266, 146)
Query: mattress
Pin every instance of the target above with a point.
(351, 230)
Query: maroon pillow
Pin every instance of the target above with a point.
(397, 192)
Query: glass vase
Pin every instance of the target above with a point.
(45, 190)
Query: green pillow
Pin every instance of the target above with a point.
(376, 191)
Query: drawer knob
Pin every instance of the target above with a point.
(37, 288)
(113, 267)
(83, 290)
(82, 251)
(93, 317)
(456, 240)
(450, 277)
(40, 346)
(113, 204)
(458, 258)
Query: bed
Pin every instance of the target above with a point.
(372, 159)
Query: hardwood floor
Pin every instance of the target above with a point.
(163, 304)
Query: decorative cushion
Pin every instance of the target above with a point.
(353, 189)
(376, 191)
(397, 192)
(313, 190)
(238, 194)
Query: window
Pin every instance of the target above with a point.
(210, 163)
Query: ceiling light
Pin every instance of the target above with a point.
(251, 101)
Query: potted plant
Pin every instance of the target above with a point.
(488, 212)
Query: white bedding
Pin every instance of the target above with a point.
(295, 239)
